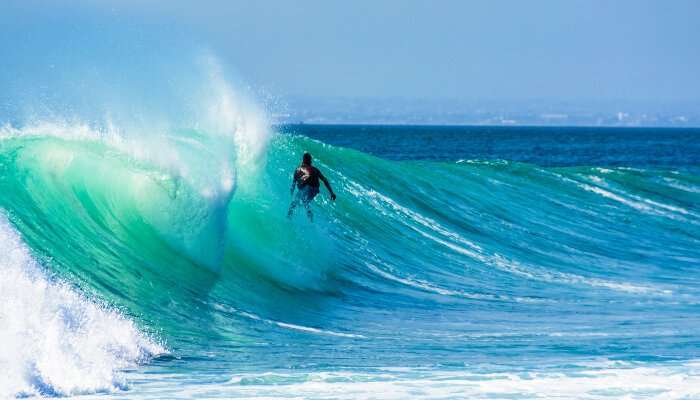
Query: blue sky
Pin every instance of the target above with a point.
(565, 50)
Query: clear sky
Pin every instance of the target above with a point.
(570, 50)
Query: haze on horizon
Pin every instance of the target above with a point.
(544, 50)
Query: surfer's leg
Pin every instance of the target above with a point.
(291, 208)
(307, 203)
(309, 213)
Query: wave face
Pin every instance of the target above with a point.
(422, 279)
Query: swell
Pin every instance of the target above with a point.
(179, 255)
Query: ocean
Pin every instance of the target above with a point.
(457, 262)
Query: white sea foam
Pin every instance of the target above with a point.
(287, 325)
(636, 202)
(603, 380)
(428, 287)
(54, 341)
(682, 186)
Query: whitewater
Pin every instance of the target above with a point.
(155, 260)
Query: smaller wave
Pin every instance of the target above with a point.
(55, 341)
(637, 202)
(642, 205)
(460, 245)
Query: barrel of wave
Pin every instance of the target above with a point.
(261, 239)
(86, 184)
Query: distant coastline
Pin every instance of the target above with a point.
(399, 111)
(477, 125)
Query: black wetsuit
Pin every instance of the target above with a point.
(307, 178)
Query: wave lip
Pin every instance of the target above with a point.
(56, 342)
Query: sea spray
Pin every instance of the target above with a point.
(55, 341)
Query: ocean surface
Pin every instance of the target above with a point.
(457, 262)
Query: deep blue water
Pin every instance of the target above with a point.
(545, 146)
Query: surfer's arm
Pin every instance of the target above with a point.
(328, 185)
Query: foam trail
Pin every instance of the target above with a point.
(601, 381)
(287, 325)
(56, 342)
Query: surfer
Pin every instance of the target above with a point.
(306, 180)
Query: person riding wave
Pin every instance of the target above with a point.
(306, 180)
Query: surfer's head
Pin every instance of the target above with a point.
(306, 159)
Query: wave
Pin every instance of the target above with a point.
(187, 232)
(97, 190)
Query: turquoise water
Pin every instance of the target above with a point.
(457, 262)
